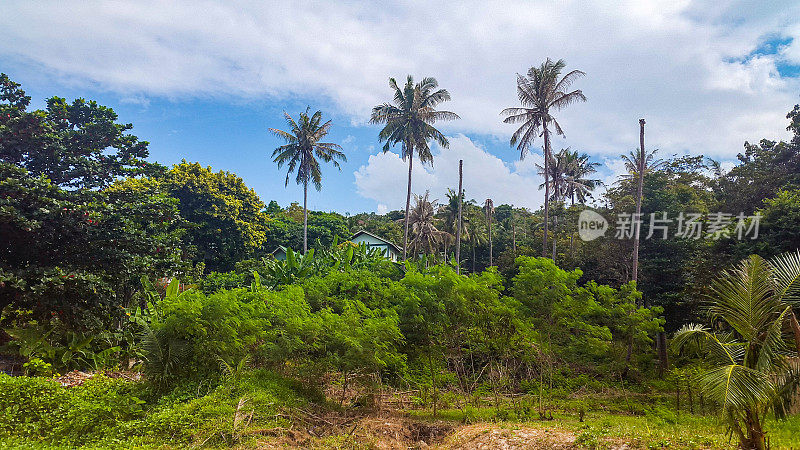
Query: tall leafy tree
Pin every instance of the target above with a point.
(763, 169)
(228, 219)
(301, 151)
(74, 145)
(72, 245)
(542, 92)
(409, 122)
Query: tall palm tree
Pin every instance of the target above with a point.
(426, 237)
(450, 215)
(488, 210)
(753, 373)
(578, 184)
(541, 93)
(633, 163)
(579, 168)
(409, 122)
(474, 223)
(639, 164)
(301, 151)
(556, 175)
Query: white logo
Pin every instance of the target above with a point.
(591, 225)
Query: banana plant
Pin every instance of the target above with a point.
(295, 267)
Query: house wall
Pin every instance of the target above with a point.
(376, 243)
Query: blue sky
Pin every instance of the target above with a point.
(203, 80)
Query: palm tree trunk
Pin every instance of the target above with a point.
(546, 186)
(458, 227)
(490, 239)
(555, 226)
(408, 205)
(639, 188)
(572, 234)
(473, 256)
(305, 217)
(635, 222)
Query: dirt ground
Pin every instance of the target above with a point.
(398, 432)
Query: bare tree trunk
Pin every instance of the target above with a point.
(639, 188)
(635, 223)
(408, 205)
(458, 229)
(546, 186)
(305, 217)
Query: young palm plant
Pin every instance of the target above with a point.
(301, 151)
(542, 92)
(409, 122)
(754, 370)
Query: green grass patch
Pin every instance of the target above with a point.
(106, 413)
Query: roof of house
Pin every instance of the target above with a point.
(280, 247)
(397, 248)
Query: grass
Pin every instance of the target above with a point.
(205, 415)
(651, 430)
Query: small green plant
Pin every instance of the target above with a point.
(37, 367)
(591, 437)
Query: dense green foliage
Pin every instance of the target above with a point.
(68, 248)
(110, 262)
(114, 413)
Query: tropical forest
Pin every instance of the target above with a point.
(171, 305)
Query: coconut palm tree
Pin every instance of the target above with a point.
(556, 174)
(302, 151)
(409, 122)
(541, 93)
(754, 370)
(426, 237)
(578, 184)
(449, 214)
(633, 162)
(579, 168)
(474, 224)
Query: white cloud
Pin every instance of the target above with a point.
(382, 209)
(686, 66)
(384, 177)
